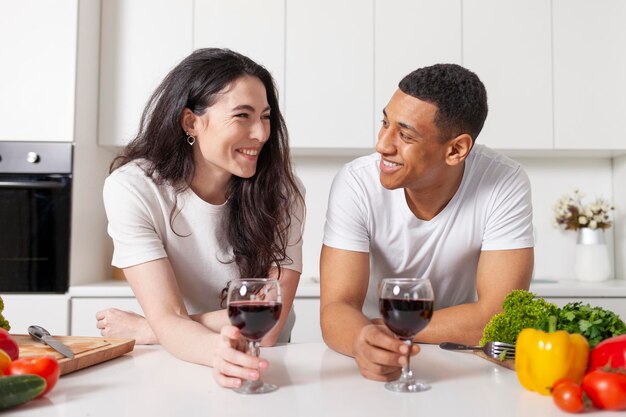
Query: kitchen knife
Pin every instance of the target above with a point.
(42, 335)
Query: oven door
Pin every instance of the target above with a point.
(35, 212)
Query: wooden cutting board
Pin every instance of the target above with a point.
(88, 351)
(507, 363)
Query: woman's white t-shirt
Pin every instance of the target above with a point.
(139, 210)
(491, 210)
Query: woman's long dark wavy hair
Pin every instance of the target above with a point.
(259, 208)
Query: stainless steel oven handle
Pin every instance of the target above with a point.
(31, 184)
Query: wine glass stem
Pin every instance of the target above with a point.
(407, 374)
(253, 346)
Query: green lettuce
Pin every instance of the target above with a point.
(3, 322)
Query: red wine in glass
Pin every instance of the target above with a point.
(254, 319)
(405, 317)
(253, 306)
(406, 306)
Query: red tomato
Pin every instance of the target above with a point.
(606, 389)
(568, 395)
(9, 345)
(611, 351)
(45, 366)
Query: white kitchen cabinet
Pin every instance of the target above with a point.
(330, 75)
(589, 68)
(84, 309)
(51, 311)
(307, 328)
(507, 43)
(408, 35)
(38, 71)
(251, 27)
(141, 41)
(84, 312)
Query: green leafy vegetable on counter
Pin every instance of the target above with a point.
(3, 322)
(595, 323)
(521, 310)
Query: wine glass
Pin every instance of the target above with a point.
(406, 306)
(254, 306)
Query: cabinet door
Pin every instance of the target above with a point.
(251, 27)
(507, 43)
(589, 68)
(48, 311)
(329, 74)
(141, 41)
(410, 34)
(84, 312)
(307, 328)
(38, 71)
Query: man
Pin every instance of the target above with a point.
(428, 204)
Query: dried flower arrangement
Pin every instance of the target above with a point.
(571, 214)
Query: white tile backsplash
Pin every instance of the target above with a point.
(550, 178)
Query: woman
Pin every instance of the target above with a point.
(203, 195)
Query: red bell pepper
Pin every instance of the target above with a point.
(610, 352)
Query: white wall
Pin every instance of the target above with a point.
(550, 178)
(317, 174)
(90, 247)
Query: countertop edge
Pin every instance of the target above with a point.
(309, 288)
(114, 289)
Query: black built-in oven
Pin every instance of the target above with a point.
(35, 215)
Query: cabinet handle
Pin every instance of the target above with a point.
(31, 184)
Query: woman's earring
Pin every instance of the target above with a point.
(190, 139)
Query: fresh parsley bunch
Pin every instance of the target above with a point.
(595, 323)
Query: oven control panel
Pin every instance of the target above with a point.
(35, 158)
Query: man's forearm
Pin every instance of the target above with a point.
(463, 323)
(341, 324)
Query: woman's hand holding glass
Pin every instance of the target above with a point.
(232, 364)
(254, 307)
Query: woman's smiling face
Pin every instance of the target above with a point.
(231, 132)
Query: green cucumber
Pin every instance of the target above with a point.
(18, 389)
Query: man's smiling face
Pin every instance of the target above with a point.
(412, 155)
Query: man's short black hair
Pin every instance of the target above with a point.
(457, 92)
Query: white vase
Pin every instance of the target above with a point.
(592, 262)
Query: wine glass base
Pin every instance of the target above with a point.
(255, 387)
(403, 386)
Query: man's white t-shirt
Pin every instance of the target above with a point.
(138, 211)
(491, 210)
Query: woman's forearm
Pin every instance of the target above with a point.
(213, 320)
(186, 339)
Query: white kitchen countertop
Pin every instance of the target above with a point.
(309, 288)
(313, 381)
(575, 289)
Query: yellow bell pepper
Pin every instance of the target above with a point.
(543, 358)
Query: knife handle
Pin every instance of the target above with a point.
(457, 346)
(38, 332)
